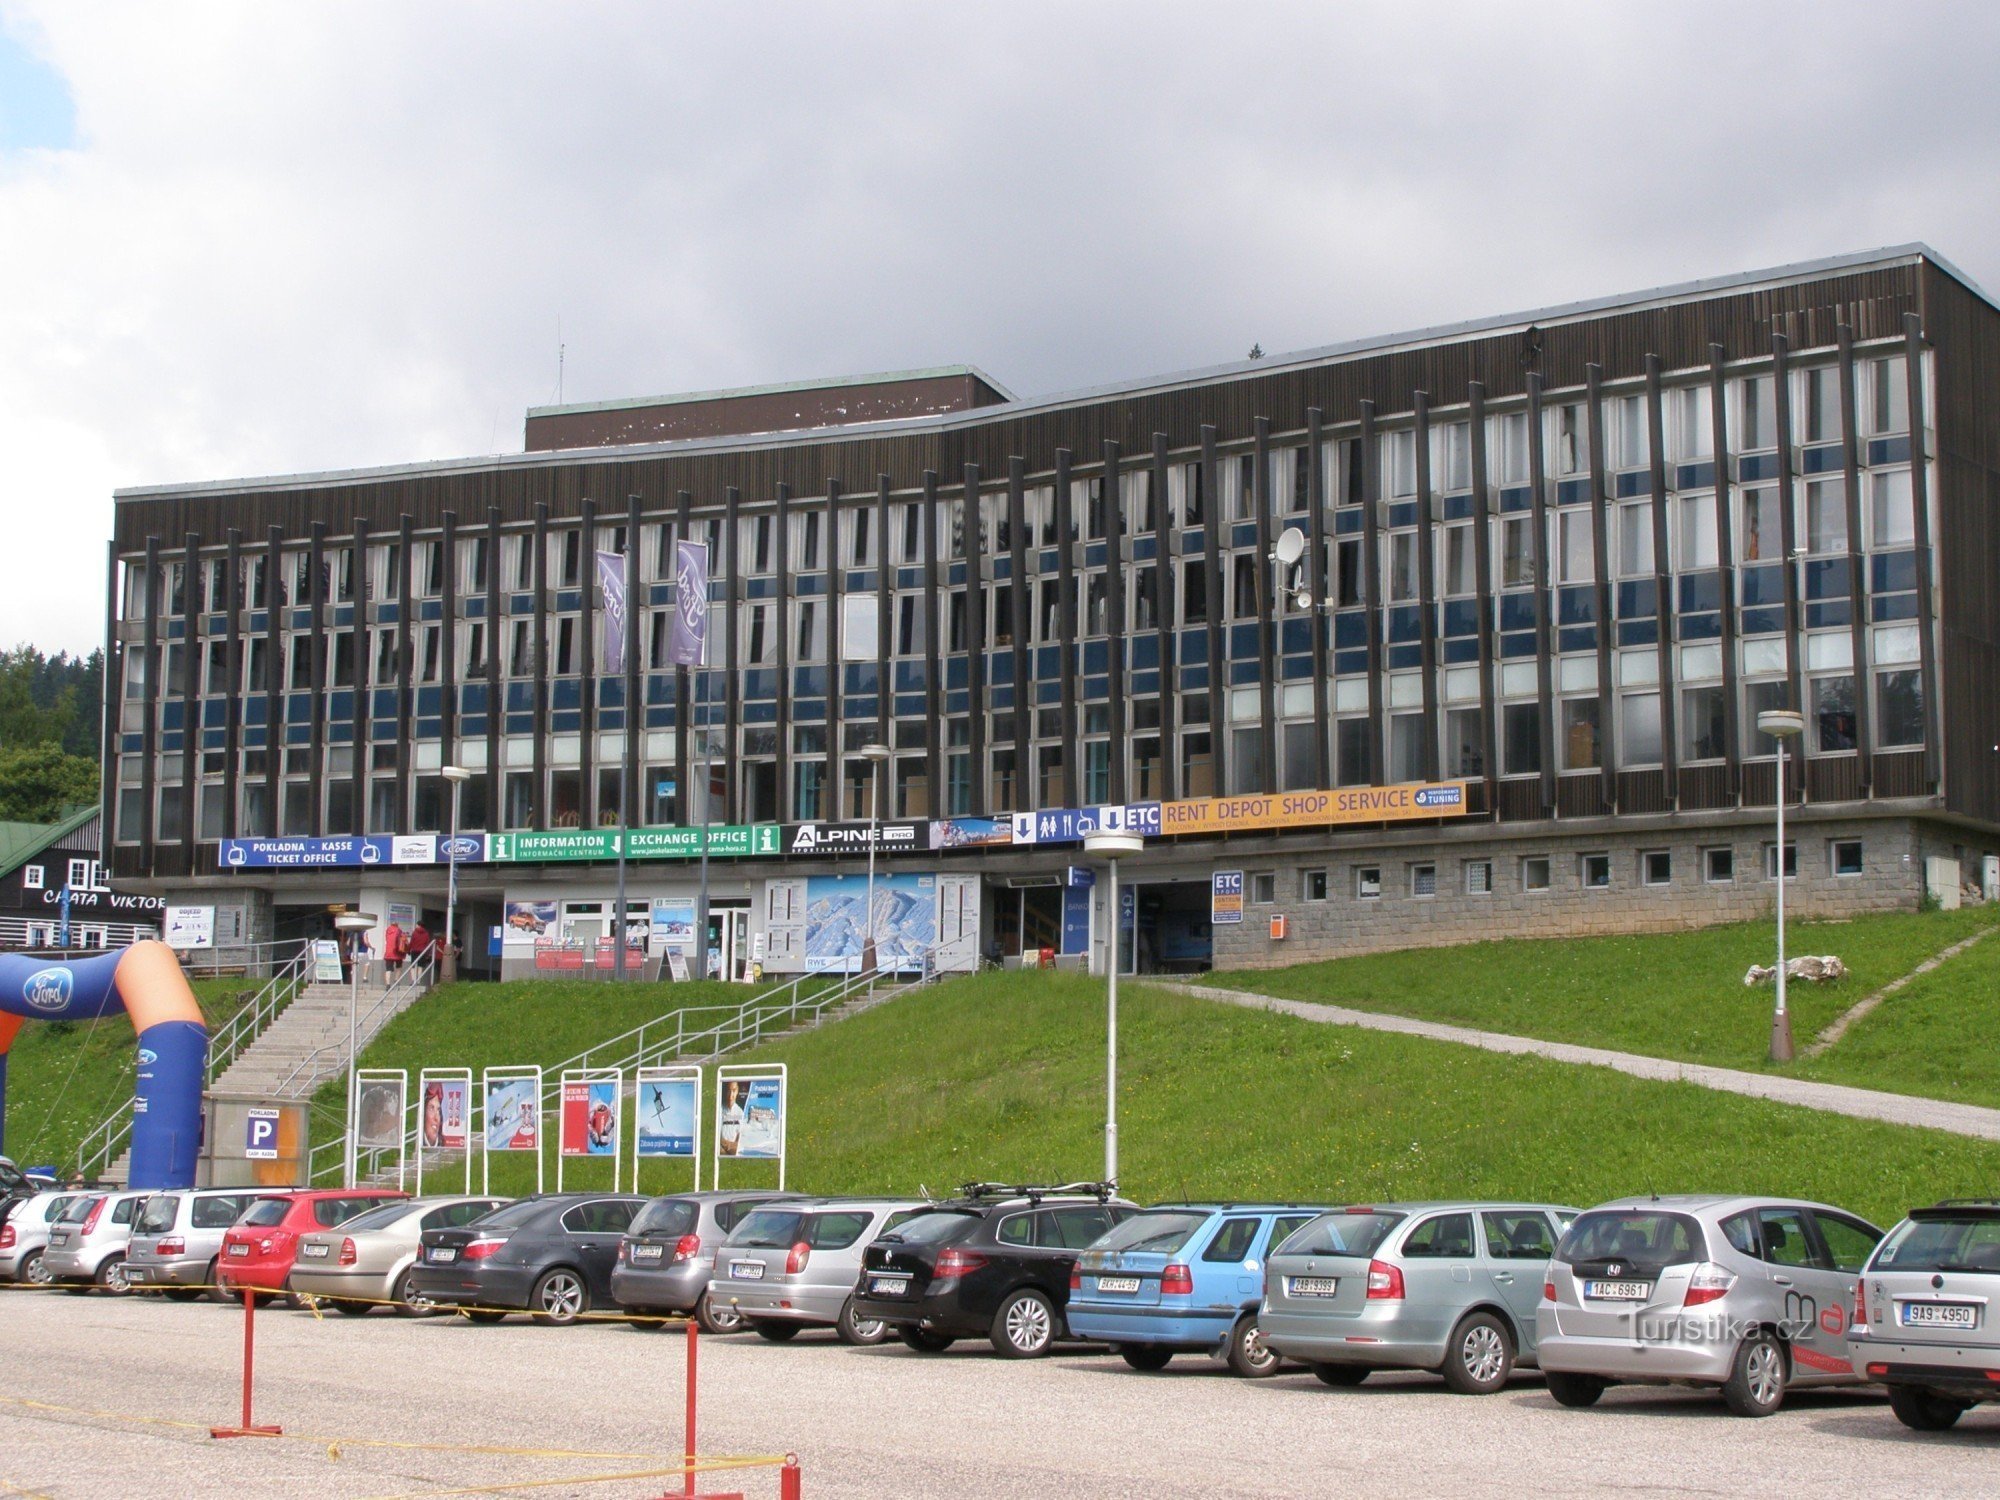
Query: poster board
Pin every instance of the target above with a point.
(380, 1119)
(752, 1100)
(666, 1116)
(591, 1104)
(186, 927)
(444, 1119)
(510, 1117)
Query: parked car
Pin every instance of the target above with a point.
(1748, 1295)
(258, 1250)
(1449, 1287)
(17, 1186)
(790, 1266)
(668, 1256)
(1185, 1278)
(87, 1243)
(25, 1236)
(367, 1260)
(550, 1255)
(991, 1264)
(1924, 1313)
(177, 1240)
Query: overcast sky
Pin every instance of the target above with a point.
(258, 239)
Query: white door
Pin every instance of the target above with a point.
(958, 923)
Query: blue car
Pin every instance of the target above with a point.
(1184, 1278)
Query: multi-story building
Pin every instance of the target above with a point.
(1550, 570)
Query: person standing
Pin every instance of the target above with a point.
(420, 940)
(393, 948)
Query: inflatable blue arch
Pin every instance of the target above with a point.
(146, 980)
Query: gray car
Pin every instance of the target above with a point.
(365, 1262)
(789, 1266)
(668, 1255)
(1926, 1318)
(1450, 1287)
(87, 1243)
(179, 1235)
(1747, 1295)
(24, 1236)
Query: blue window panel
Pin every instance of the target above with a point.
(1097, 689)
(1194, 679)
(659, 718)
(472, 726)
(1403, 513)
(1576, 604)
(343, 616)
(170, 742)
(659, 593)
(1048, 694)
(1572, 491)
(430, 700)
(909, 578)
(214, 739)
(567, 721)
(809, 710)
(1243, 534)
(384, 704)
(1894, 607)
(215, 711)
(1889, 450)
(1244, 673)
(1191, 646)
(1406, 623)
(1757, 466)
(1699, 476)
(861, 708)
(566, 692)
(1577, 638)
(473, 606)
(1145, 548)
(999, 668)
(520, 604)
(957, 672)
(1294, 636)
(1350, 522)
(303, 708)
(1049, 561)
(520, 696)
(427, 729)
(761, 683)
(176, 628)
(1517, 498)
(907, 676)
(611, 692)
(760, 713)
(1145, 683)
(253, 737)
(911, 706)
(568, 601)
(1639, 633)
(472, 698)
(1350, 628)
(427, 609)
(760, 588)
(1093, 554)
(1764, 621)
(1096, 656)
(1461, 617)
(1636, 597)
(957, 703)
(132, 744)
(809, 682)
(860, 677)
(1517, 611)
(659, 688)
(1145, 651)
(1826, 578)
(1048, 663)
(1405, 656)
(1193, 540)
(1295, 668)
(1456, 652)
(860, 581)
(173, 713)
(1700, 591)
(520, 723)
(1763, 584)
(1350, 663)
(1458, 507)
(260, 621)
(1633, 483)
(1003, 566)
(811, 586)
(301, 619)
(1242, 642)
(1826, 616)
(1002, 697)
(340, 705)
(1825, 459)
(1892, 572)
(954, 575)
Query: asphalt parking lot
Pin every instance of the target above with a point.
(879, 1422)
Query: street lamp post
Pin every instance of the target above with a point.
(875, 755)
(448, 970)
(707, 763)
(352, 923)
(1781, 724)
(1111, 845)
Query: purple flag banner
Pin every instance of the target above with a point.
(611, 588)
(687, 646)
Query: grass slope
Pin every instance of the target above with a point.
(1932, 1037)
(1670, 994)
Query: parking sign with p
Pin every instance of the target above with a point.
(260, 1135)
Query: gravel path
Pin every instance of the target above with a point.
(868, 1423)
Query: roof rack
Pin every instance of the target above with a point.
(1035, 1192)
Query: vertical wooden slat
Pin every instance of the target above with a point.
(976, 555)
(1788, 518)
(1427, 590)
(1026, 792)
(1920, 499)
(586, 628)
(1725, 556)
(1268, 674)
(1218, 665)
(781, 545)
(1319, 586)
(1857, 562)
(1116, 635)
(1065, 513)
(1482, 521)
(1544, 583)
(1609, 757)
(1371, 583)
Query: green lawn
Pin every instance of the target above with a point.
(1001, 1076)
(1670, 994)
(1932, 1037)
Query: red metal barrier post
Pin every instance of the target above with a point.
(687, 1480)
(248, 1428)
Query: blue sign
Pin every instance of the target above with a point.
(1080, 875)
(465, 849)
(1072, 825)
(271, 854)
(1439, 796)
(1225, 897)
(260, 1135)
(1076, 919)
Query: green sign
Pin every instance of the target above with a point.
(554, 844)
(724, 840)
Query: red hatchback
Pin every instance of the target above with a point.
(259, 1248)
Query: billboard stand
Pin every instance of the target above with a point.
(666, 1116)
(444, 1118)
(751, 1104)
(382, 1118)
(510, 1118)
(592, 1100)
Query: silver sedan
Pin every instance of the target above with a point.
(367, 1260)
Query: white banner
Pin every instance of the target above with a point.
(189, 926)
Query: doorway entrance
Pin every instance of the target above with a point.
(1171, 932)
(1028, 917)
(728, 939)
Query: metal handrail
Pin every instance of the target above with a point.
(412, 976)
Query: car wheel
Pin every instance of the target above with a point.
(1025, 1326)
(182, 1293)
(1248, 1355)
(349, 1306)
(1479, 1357)
(1756, 1383)
(32, 1271)
(859, 1331)
(1341, 1374)
(485, 1315)
(559, 1298)
(1145, 1357)
(715, 1319)
(216, 1291)
(1574, 1390)
(1923, 1412)
(777, 1333)
(410, 1302)
(924, 1341)
(111, 1276)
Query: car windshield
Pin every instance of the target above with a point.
(670, 1216)
(1970, 1243)
(377, 1218)
(1161, 1232)
(266, 1212)
(932, 1228)
(78, 1211)
(159, 1214)
(1638, 1236)
(767, 1229)
(514, 1215)
(1355, 1232)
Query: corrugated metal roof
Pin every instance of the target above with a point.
(21, 842)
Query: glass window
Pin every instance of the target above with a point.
(1786, 1242)
(1479, 877)
(1644, 1238)
(1352, 1232)
(1741, 1232)
(1697, 546)
(1892, 512)
(1595, 871)
(1517, 552)
(1899, 708)
(1462, 753)
(1757, 422)
(1368, 882)
(1641, 744)
(1511, 435)
(1232, 1241)
(1399, 461)
(1350, 739)
(1521, 739)
(1017, 1229)
(1848, 1241)
(1630, 450)
(1694, 426)
(1844, 856)
(1518, 1235)
(835, 1231)
(1718, 866)
(1791, 861)
(1889, 396)
(1264, 888)
(1423, 880)
(1079, 1226)
(1635, 539)
(1826, 515)
(1578, 562)
(1461, 572)
(1572, 439)
(1402, 566)
(1758, 698)
(1406, 747)
(1535, 873)
(1160, 1231)
(1763, 537)
(1704, 725)
(1832, 720)
(1581, 741)
(1823, 424)
(1445, 1237)
(1313, 885)
(1656, 867)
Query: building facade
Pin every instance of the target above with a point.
(1550, 568)
(55, 891)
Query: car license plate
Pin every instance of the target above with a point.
(747, 1270)
(1617, 1291)
(240, 1250)
(648, 1252)
(1312, 1286)
(888, 1286)
(313, 1252)
(1940, 1315)
(135, 1274)
(442, 1254)
(1118, 1283)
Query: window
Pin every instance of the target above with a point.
(1517, 552)
(1571, 439)
(1312, 885)
(1595, 871)
(1263, 888)
(1521, 739)
(1757, 420)
(1368, 882)
(1823, 424)
(1697, 545)
(1758, 698)
(1899, 708)
(1446, 1237)
(1791, 861)
(1402, 566)
(1785, 1240)
(1844, 856)
(1461, 572)
(1704, 723)
(1889, 396)
(1640, 727)
(1718, 866)
(1656, 867)
(1399, 462)
(1535, 873)
(1350, 740)
(1479, 877)
(1635, 539)
(1518, 1236)
(1630, 449)
(1423, 880)
(1232, 1242)
(1456, 442)
(31, 878)
(1512, 442)
(1582, 743)
(1693, 423)
(1849, 1242)
(1462, 740)
(1826, 515)
(1892, 516)
(1763, 538)
(1406, 747)
(1832, 713)
(1575, 533)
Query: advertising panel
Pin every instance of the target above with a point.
(379, 1124)
(972, 833)
(1225, 897)
(666, 1108)
(188, 927)
(673, 922)
(292, 853)
(528, 920)
(1353, 804)
(837, 922)
(829, 839)
(446, 1106)
(687, 641)
(414, 848)
(326, 961)
(725, 840)
(590, 1117)
(1072, 825)
(513, 1114)
(751, 1122)
(552, 844)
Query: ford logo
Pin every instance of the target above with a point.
(147, 1057)
(460, 848)
(49, 989)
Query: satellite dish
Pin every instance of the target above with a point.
(1291, 546)
(1303, 599)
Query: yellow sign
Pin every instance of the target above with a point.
(1348, 804)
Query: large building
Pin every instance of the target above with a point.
(1550, 569)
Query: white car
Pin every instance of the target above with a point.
(87, 1243)
(25, 1236)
